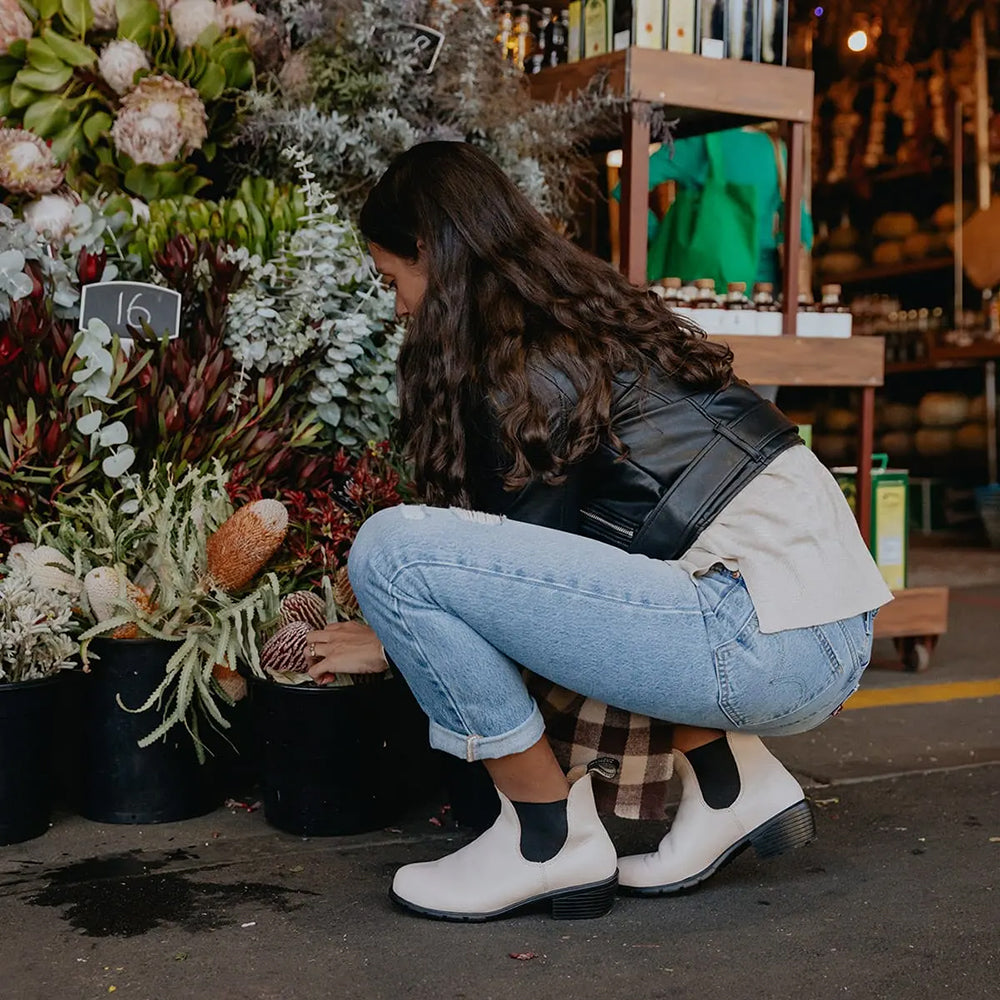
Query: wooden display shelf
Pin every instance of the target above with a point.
(915, 611)
(815, 361)
(887, 272)
(705, 94)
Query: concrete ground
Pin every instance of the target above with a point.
(898, 898)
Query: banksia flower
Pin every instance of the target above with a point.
(285, 652)
(107, 589)
(303, 606)
(27, 165)
(343, 594)
(241, 547)
(230, 681)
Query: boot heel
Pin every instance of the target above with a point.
(586, 903)
(791, 828)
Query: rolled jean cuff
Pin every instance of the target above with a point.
(472, 748)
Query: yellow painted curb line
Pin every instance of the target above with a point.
(923, 694)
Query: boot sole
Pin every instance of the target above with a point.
(582, 902)
(791, 828)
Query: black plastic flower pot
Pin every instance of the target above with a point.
(27, 716)
(339, 760)
(126, 783)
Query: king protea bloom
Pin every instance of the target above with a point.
(159, 121)
(119, 62)
(14, 25)
(27, 165)
(105, 14)
(191, 17)
(51, 215)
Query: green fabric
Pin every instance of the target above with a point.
(747, 158)
(709, 232)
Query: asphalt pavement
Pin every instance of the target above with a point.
(898, 897)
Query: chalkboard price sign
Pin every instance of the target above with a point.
(428, 42)
(130, 305)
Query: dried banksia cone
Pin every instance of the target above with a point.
(303, 606)
(343, 594)
(241, 547)
(106, 588)
(230, 681)
(285, 651)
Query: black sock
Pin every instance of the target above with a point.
(543, 828)
(716, 771)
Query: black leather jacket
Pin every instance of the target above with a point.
(689, 453)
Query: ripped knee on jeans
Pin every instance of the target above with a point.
(476, 516)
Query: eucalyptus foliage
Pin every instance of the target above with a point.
(318, 297)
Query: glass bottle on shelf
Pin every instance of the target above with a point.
(706, 297)
(539, 56)
(736, 295)
(712, 30)
(681, 25)
(763, 297)
(830, 302)
(556, 45)
(505, 28)
(672, 291)
(806, 302)
(523, 43)
(595, 28)
(743, 30)
(773, 31)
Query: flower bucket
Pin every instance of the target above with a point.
(338, 760)
(27, 716)
(123, 782)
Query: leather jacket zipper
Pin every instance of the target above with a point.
(619, 529)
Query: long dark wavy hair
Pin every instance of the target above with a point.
(503, 287)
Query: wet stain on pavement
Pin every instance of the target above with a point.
(127, 895)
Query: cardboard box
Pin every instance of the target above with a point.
(889, 542)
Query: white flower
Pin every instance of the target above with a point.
(51, 215)
(105, 14)
(120, 61)
(191, 17)
(160, 120)
(140, 210)
(240, 16)
(14, 24)
(27, 165)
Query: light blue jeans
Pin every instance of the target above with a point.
(461, 601)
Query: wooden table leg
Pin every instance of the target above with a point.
(866, 434)
(635, 192)
(793, 224)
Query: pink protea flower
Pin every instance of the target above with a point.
(119, 62)
(105, 14)
(14, 24)
(27, 165)
(159, 121)
(191, 17)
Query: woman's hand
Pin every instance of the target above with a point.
(344, 648)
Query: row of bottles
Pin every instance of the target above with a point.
(701, 294)
(750, 30)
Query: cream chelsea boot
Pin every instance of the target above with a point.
(755, 802)
(491, 877)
